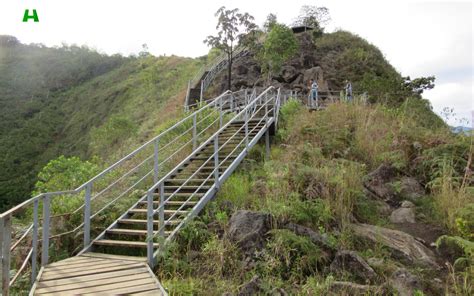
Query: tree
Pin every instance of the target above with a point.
(313, 16)
(270, 22)
(279, 46)
(420, 84)
(232, 25)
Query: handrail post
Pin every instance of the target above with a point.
(87, 215)
(220, 112)
(246, 130)
(156, 167)
(231, 103)
(149, 227)
(194, 135)
(6, 236)
(186, 102)
(216, 161)
(45, 242)
(162, 210)
(202, 90)
(34, 242)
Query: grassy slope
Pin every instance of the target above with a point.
(314, 178)
(63, 100)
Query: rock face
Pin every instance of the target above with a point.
(251, 288)
(316, 238)
(378, 182)
(404, 214)
(411, 188)
(402, 245)
(404, 282)
(248, 229)
(351, 262)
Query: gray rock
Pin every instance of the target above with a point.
(378, 182)
(351, 262)
(375, 262)
(248, 229)
(407, 204)
(411, 188)
(315, 237)
(403, 215)
(348, 288)
(404, 282)
(402, 245)
(253, 287)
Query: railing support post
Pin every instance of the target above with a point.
(202, 91)
(267, 144)
(149, 227)
(216, 161)
(156, 167)
(186, 102)
(246, 131)
(87, 215)
(6, 237)
(34, 242)
(162, 211)
(220, 112)
(194, 135)
(45, 241)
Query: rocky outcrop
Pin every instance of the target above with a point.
(248, 229)
(404, 214)
(378, 182)
(316, 238)
(411, 189)
(404, 282)
(352, 263)
(402, 245)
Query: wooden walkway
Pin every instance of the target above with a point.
(98, 274)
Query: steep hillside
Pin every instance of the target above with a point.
(74, 101)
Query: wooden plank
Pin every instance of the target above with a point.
(122, 243)
(119, 257)
(83, 265)
(86, 278)
(70, 261)
(130, 290)
(130, 231)
(114, 289)
(141, 221)
(93, 283)
(106, 264)
(55, 275)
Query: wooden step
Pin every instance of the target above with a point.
(188, 187)
(179, 194)
(167, 212)
(124, 231)
(122, 243)
(142, 221)
(172, 203)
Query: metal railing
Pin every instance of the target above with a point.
(213, 69)
(55, 225)
(263, 111)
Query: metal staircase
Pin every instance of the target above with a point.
(158, 188)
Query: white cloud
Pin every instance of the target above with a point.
(418, 37)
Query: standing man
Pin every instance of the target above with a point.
(314, 93)
(348, 91)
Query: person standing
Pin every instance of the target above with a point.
(348, 89)
(314, 93)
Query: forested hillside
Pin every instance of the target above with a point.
(73, 100)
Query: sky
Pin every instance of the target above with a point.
(419, 38)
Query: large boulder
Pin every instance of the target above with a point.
(410, 188)
(402, 245)
(404, 214)
(404, 282)
(378, 182)
(248, 230)
(316, 238)
(352, 263)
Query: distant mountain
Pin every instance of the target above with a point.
(461, 129)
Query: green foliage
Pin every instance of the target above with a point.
(193, 236)
(280, 45)
(65, 173)
(314, 17)
(465, 221)
(116, 129)
(291, 255)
